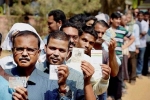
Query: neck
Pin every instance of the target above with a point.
(114, 27)
(25, 71)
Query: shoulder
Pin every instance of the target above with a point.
(121, 28)
(9, 71)
(42, 74)
(136, 25)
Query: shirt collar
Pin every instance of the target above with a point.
(33, 77)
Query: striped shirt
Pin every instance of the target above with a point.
(121, 32)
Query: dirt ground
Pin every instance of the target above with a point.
(139, 91)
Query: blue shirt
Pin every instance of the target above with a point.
(75, 81)
(39, 86)
(5, 91)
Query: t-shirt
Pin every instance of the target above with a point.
(121, 32)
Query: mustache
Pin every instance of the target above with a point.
(71, 43)
(24, 59)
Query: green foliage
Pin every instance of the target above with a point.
(70, 7)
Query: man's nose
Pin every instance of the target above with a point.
(56, 52)
(87, 44)
(71, 39)
(24, 53)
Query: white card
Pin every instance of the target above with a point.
(96, 56)
(76, 58)
(17, 81)
(96, 60)
(77, 55)
(108, 35)
(53, 72)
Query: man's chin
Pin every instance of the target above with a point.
(55, 63)
(23, 65)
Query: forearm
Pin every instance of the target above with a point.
(113, 63)
(88, 91)
(132, 39)
(100, 86)
(143, 33)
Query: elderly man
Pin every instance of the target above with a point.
(26, 50)
(8, 61)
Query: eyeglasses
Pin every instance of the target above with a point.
(30, 51)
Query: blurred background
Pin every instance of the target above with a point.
(35, 12)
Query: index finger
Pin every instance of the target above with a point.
(65, 69)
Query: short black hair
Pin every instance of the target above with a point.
(58, 35)
(140, 12)
(90, 30)
(69, 24)
(78, 19)
(26, 17)
(26, 33)
(91, 18)
(146, 13)
(58, 15)
(115, 15)
(103, 23)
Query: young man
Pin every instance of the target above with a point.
(99, 85)
(26, 51)
(115, 87)
(142, 47)
(55, 20)
(56, 52)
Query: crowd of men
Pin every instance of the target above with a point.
(124, 57)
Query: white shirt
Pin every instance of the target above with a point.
(144, 28)
(99, 84)
(136, 34)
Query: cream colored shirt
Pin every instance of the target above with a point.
(99, 84)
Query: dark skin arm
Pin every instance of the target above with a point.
(63, 73)
(88, 71)
(112, 58)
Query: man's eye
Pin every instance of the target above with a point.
(30, 50)
(19, 49)
(84, 40)
(62, 51)
(51, 48)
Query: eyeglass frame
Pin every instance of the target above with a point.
(17, 52)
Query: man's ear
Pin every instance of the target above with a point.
(111, 20)
(59, 23)
(45, 47)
